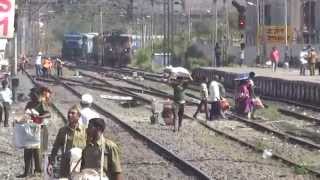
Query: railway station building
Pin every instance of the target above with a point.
(303, 24)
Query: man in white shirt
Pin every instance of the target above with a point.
(215, 93)
(204, 101)
(241, 57)
(39, 64)
(303, 61)
(86, 112)
(6, 101)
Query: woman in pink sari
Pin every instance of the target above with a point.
(244, 103)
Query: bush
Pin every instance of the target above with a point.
(231, 59)
(192, 63)
(143, 58)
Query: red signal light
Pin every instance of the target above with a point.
(242, 22)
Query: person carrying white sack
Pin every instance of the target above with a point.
(38, 105)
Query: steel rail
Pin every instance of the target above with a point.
(252, 124)
(161, 150)
(252, 146)
(296, 103)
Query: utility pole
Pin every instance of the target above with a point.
(101, 21)
(168, 31)
(15, 57)
(30, 45)
(286, 28)
(102, 35)
(226, 34)
(171, 11)
(164, 33)
(189, 24)
(258, 31)
(213, 34)
(152, 26)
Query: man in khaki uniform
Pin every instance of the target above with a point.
(312, 56)
(92, 153)
(68, 137)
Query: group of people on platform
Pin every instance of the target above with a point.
(84, 151)
(308, 60)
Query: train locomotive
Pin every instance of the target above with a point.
(107, 49)
(113, 49)
(72, 46)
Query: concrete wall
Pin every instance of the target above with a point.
(299, 91)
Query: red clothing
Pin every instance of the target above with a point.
(37, 120)
(243, 99)
(275, 55)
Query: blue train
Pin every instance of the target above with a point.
(72, 46)
(107, 49)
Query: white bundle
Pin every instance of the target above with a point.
(87, 174)
(32, 112)
(75, 159)
(175, 72)
(269, 63)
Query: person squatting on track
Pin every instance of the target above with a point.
(37, 103)
(6, 101)
(216, 92)
(70, 136)
(101, 151)
(86, 112)
(246, 102)
(179, 86)
(203, 106)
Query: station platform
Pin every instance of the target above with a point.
(283, 84)
(285, 74)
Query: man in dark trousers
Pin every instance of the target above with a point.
(6, 101)
(217, 51)
(179, 86)
(59, 65)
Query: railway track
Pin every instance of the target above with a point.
(143, 157)
(310, 124)
(253, 143)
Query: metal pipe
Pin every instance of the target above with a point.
(258, 30)
(164, 32)
(286, 21)
(168, 31)
(189, 24)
